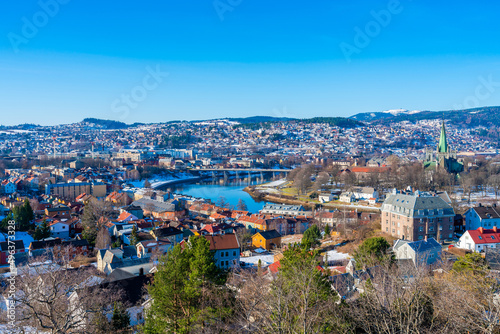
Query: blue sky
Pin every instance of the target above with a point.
(239, 58)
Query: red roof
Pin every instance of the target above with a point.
(274, 267)
(210, 228)
(224, 241)
(369, 169)
(484, 236)
(124, 215)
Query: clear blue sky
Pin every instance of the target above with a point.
(254, 57)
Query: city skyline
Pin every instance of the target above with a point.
(167, 61)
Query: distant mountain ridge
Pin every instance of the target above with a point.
(110, 124)
(466, 118)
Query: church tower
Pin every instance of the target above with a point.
(443, 144)
(443, 157)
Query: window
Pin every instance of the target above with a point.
(451, 227)
(493, 237)
(480, 238)
(420, 237)
(431, 228)
(387, 229)
(450, 235)
(421, 229)
(227, 263)
(234, 253)
(227, 254)
(221, 254)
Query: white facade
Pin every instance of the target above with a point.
(59, 229)
(467, 242)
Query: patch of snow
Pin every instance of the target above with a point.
(265, 260)
(24, 236)
(333, 255)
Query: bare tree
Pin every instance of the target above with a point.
(103, 240)
(54, 298)
(494, 182)
(321, 180)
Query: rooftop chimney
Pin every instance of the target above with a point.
(426, 229)
(495, 229)
(481, 230)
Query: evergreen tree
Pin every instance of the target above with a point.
(30, 215)
(42, 231)
(120, 318)
(327, 230)
(303, 296)
(372, 252)
(180, 292)
(134, 237)
(311, 237)
(5, 222)
(117, 243)
(23, 215)
(471, 263)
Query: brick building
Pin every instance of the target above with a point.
(417, 215)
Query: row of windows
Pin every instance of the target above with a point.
(227, 254)
(226, 263)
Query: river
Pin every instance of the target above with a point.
(232, 192)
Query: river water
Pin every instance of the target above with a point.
(232, 192)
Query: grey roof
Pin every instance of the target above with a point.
(128, 262)
(412, 202)
(272, 234)
(422, 245)
(398, 243)
(487, 212)
(343, 284)
(158, 206)
(18, 244)
(129, 251)
(283, 207)
(118, 274)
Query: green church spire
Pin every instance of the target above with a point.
(443, 144)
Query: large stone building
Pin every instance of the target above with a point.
(444, 157)
(417, 215)
(74, 189)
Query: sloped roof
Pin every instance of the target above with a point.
(18, 244)
(271, 234)
(224, 241)
(487, 212)
(484, 236)
(423, 245)
(157, 206)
